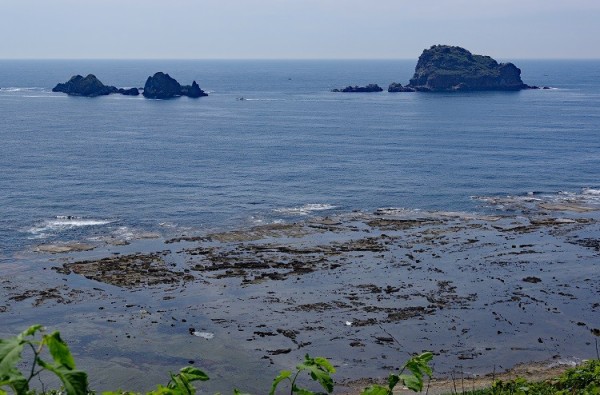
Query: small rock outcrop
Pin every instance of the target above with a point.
(163, 86)
(89, 86)
(396, 87)
(352, 89)
(129, 92)
(192, 91)
(444, 68)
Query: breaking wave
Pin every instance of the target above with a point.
(304, 210)
(62, 223)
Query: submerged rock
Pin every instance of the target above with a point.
(163, 86)
(352, 89)
(444, 68)
(89, 86)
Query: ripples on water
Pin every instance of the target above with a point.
(75, 168)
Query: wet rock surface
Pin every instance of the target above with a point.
(137, 270)
(479, 290)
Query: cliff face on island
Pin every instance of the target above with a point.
(444, 68)
(163, 86)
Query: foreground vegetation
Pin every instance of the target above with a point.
(584, 379)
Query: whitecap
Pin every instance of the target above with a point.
(591, 191)
(63, 222)
(264, 99)
(305, 210)
(204, 335)
(21, 89)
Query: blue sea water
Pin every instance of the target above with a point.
(75, 168)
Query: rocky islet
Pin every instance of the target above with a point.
(163, 86)
(445, 68)
(158, 86)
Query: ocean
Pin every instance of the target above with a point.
(123, 174)
(120, 165)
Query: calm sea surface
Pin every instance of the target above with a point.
(76, 168)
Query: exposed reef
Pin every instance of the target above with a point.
(163, 86)
(352, 89)
(444, 68)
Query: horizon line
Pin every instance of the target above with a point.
(262, 59)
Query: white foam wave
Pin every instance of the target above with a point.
(263, 99)
(45, 96)
(21, 89)
(397, 212)
(305, 210)
(259, 221)
(587, 199)
(63, 222)
(125, 233)
(591, 191)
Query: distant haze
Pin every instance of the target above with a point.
(296, 29)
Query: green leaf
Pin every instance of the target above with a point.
(74, 381)
(418, 366)
(322, 378)
(181, 385)
(320, 370)
(393, 379)
(302, 391)
(10, 355)
(193, 374)
(238, 392)
(283, 375)
(323, 363)
(31, 331)
(160, 390)
(59, 350)
(413, 382)
(376, 390)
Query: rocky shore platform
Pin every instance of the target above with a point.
(519, 281)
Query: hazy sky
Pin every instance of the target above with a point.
(506, 29)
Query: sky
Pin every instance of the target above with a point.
(296, 29)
